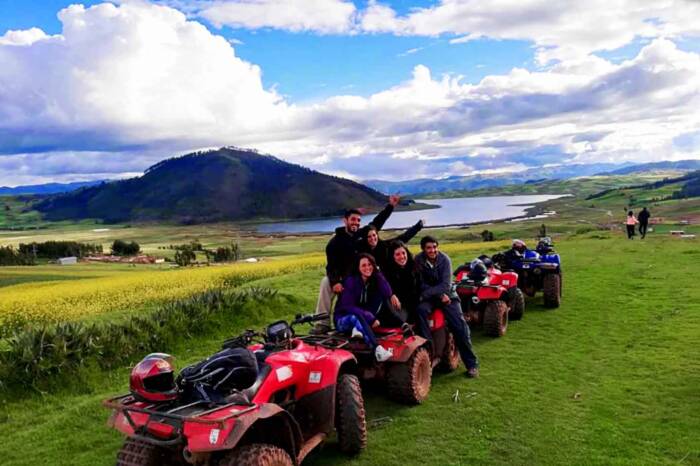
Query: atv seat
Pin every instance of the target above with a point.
(251, 391)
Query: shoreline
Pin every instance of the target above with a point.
(532, 213)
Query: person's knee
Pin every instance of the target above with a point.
(423, 310)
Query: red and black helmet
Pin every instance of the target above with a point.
(153, 379)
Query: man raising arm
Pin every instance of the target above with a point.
(340, 255)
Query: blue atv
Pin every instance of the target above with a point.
(538, 269)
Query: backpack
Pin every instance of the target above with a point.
(220, 374)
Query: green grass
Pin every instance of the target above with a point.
(611, 377)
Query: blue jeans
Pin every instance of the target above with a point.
(345, 324)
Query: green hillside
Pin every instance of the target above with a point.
(223, 185)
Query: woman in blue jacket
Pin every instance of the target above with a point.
(364, 294)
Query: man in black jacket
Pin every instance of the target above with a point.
(341, 252)
(643, 219)
(436, 291)
(379, 248)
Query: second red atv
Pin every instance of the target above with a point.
(303, 389)
(489, 297)
(407, 374)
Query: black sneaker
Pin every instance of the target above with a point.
(472, 373)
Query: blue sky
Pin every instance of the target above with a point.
(404, 88)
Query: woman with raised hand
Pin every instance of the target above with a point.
(364, 294)
(379, 248)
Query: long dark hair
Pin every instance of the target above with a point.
(371, 260)
(393, 246)
(371, 282)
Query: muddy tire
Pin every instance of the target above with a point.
(496, 318)
(450, 359)
(552, 290)
(138, 453)
(350, 423)
(257, 454)
(409, 382)
(516, 301)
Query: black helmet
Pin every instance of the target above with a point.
(545, 244)
(478, 271)
(486, 260)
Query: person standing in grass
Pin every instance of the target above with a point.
(643, 218)
(630, 222)
(341, 253)
(436, 291)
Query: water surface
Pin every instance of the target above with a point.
(455, 211)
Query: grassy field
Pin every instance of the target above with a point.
(611, 377)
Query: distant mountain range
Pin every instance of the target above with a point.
(49, 188)
(532, 175)
(680, 165)
(223, 185)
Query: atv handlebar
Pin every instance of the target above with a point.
(246, 338)
(305, 319)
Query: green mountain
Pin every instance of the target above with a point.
(221, 185)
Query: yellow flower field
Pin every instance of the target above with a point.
(91, 297)
(120, 290)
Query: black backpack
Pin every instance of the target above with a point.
(220, 374)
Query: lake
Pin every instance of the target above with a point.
(455, 211)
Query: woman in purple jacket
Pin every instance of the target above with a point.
(364, 294)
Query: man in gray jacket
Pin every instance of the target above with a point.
(436, 291)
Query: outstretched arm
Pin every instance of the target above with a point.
(383, 216)
(407, 235)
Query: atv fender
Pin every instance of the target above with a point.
(403, 353)
(268, 417)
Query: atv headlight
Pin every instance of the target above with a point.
(506, 282)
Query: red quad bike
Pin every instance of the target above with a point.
(302, 391)
(489, 298)
(407, 373)
(445, 354)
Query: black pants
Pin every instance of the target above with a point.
(457, 325)
(389, 318)
(643, 229)
(630, 231)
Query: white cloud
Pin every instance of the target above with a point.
(23, 37)
(324, 16)
(126, 76)
(124, 86)
(558, 29)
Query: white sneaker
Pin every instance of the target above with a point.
(383, 354)
(356, 334)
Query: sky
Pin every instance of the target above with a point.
(368, 89)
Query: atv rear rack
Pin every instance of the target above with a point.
(330, 341)
(121, 404)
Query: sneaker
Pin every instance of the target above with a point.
(320, 329)
(473, 373)
(356, 334)
(383, 354)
